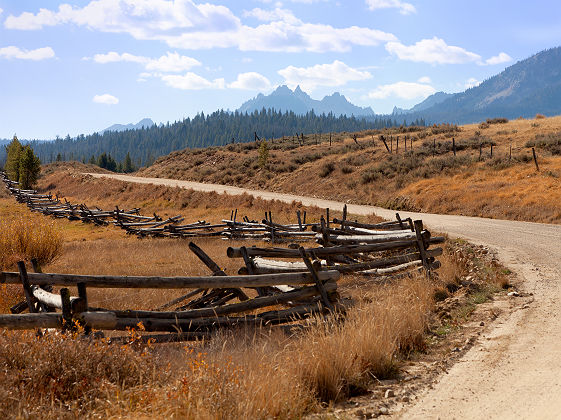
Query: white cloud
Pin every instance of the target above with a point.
(277, 14)
(114, 57)
(334, 74)
(184, 24)
(434, 51)
(106, 99)
(404, 8)
(36, 55)
(472, 82)
(170, 63)
(191, 81)
(1, 10)
(424, 79)
(498, 59)
(403, 90)
(250, 81)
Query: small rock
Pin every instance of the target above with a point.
(405, 399)
(513, 294)
(526, 306)
(456, 349)
(389, 393)
(384, 411)
(481, 324)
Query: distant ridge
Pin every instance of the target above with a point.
(529, 87)
(299, 102)
(144, 123)
(432, 100)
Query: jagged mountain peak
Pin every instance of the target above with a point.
(299, 102)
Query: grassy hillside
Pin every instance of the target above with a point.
(429, 177)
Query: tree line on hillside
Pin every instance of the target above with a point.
(22, 164)
(144, 145)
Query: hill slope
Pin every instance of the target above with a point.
(524, 89)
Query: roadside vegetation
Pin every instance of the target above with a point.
(248, 373)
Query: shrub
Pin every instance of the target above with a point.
(484, 125)
(326, 169)
(346, 169)
(540, 116)
(497, 120)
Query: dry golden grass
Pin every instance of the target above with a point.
(27, 237)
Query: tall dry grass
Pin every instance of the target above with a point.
(56, 376)
(26, 237)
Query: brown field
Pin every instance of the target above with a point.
(240, 374)
(428, 178)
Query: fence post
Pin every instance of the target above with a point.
(454, 145)
(319, 284)
(535, 159)
(421, 245)
(26, 287)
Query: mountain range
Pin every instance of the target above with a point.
(529, 87)
(299, 102)
(144, 123)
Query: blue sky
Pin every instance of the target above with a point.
(79, 66)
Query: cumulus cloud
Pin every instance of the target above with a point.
(12, 52)
(277, 14)
(191, 81)
(106, 99)
(434, 51)
(184, 24)
(169, 63)
(471, 82)
(404, 8)
(424, 79)
(403, 90)
(334, 74)
(250, 81)
(498, 59)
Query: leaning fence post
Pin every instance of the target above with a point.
(535, 159)
(26, 287)
(319, 284)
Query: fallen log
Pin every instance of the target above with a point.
(248, 305)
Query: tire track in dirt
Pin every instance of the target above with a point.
(514, 369)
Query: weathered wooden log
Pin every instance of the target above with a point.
(197, 324)
(96, 320)
(264, 266)
(203, 282)
(383, 225)
(385, 262)
(367, 239)
(322, 252)
(249, 305)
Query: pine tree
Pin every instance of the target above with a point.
(127, 165)
(29, 168)
(13, 153)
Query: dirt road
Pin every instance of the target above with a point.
(514, 370)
